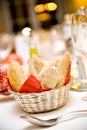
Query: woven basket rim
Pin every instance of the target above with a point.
(39, 102)
(13, 92)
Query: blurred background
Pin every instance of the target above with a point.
(50, 22)
(17, 14)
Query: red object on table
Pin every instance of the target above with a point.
(32, 85)
(12, 56)
(4, 83)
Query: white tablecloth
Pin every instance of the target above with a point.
(10, 112)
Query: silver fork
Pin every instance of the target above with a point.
(64, 117)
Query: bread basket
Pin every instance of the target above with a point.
(43, 101)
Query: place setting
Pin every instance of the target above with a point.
(28, 89)
(43, 73)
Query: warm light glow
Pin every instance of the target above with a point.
(39, 8)
(82, 7)
(43, 16)
(43, 7)
(74, 87)
(51, 6)
(26, 31)
(79, 3)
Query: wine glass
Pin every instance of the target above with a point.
(6, 45)
(79, 40)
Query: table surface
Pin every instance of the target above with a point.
(10, 112)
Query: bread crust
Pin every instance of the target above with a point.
(35, 65)
(63, 68)
(17, 75)
(48, 77)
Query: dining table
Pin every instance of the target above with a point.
(10, 112)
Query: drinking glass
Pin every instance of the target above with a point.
(6, 45)
(79, 40)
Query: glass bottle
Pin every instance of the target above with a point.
(32, 45)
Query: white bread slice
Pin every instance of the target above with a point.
(54, 62)
(48, 76)
(17, 74)
(63, 68)
(35, 64)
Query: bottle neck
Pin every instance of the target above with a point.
(32, 47)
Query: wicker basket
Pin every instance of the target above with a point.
(43, 101)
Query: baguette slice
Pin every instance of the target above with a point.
(63, 68)
(17, 74)
(48, 76)
(35, 65)
(54, 62)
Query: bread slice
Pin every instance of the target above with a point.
(63, 68)
(54, 62)
(35, 65)
(48, 76)
(17, 75)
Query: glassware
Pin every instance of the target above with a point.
(79, 40)
(32, 45)
(79, 30)
(6, 45)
